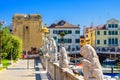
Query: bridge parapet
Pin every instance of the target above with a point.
(57, 73)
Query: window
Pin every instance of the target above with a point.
(113, 41)
(116, 32)
(116, 25)
(69, 32)
(109, 25)
(104, 41)
(82, 41)
(65, 31)
(69, 48)
(77, 32)
(77, 48)
(59, 41)
(98, 32)
(65, 40)
(112, 25)
(60, 31)
(112, 32)
(109, 33)
(116, 41)
(104, 32)
(54, 31)
(62, 23)
(55, 38)
(86, 35)
(77, 40)
(69, 40)
(26, 27)
(109, 41)
(98, 41)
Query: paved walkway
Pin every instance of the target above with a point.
(20, 71)
(41, 74)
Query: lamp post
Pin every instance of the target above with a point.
(11, 53)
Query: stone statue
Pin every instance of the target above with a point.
(91, 65)
(116, 78)
(53, 50)
(63, 60)
(44, 49)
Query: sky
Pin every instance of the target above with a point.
(82, 12)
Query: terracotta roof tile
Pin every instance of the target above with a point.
(62, 24)
(82, 36)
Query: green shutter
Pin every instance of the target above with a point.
(55, 38)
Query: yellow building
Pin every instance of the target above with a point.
(82, 41)
(107, 36)
(28, 27)
(89, 35)
(93, 37)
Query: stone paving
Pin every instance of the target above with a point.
(19, 71)
(22, 71)
(41, 74)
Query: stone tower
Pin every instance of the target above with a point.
(28, 27)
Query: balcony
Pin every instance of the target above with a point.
(112, 45)
(109, 50)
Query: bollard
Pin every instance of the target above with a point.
(27, 63)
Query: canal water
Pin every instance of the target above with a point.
(111, 65)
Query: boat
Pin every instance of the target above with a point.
(109, 60)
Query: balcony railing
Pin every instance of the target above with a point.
(112, 44)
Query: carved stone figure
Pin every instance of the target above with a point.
(116, 78)
(45, 48)
(91, 65)
(53, 50)
(63, 60)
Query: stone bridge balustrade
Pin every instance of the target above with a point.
(57, 73)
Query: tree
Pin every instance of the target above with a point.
(5, 42)
(11, 44)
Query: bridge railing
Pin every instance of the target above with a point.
(111, 69)
(57, 73)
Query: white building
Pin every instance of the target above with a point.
(71, 39)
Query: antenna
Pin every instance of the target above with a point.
(100, 20)
(92, 22)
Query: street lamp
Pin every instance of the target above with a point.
(11, 58)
